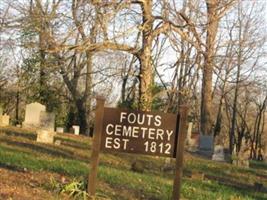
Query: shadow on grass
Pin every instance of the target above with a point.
(53, 150)
(30, 136)
(16, 159)
(73, 144)
(229, 191)
(11, 167)
(231, 183)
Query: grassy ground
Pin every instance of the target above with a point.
(69, 162)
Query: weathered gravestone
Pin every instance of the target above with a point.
(47, 121)
(191, 140)
(1, 111)
(4, 120)
(32, 115)
(218, 154)
(206, 145)
(45, 136)
(76, 129)
(60, 130)
(189, 133)
(45, 132)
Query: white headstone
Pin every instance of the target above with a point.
(76, 129)
(45, 136)
(32, 115)
(60, 130)
(189, 132)
(218, 154)
(4, 120)
(192, 144)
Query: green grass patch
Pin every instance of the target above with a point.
(117, 181)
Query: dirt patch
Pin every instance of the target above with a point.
(15, 185)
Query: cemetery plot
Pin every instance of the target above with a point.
(149, 133)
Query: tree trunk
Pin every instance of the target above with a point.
(17, 107)
(145, 58)
(88, 92)
(206, 100)
(42, 68)
(82, 115)
(239, 57)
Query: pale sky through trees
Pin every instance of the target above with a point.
(88, 39)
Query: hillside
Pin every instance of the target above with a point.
(30, 170)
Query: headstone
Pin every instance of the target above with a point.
(191, 140)
(189, 131)
(218, 154)
(206, 145)
(76, 129)
(4, 120)
(60, 130)
(1, 111)
(45, 136)
(47, 121)
(32, 115)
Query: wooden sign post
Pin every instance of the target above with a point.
(179, 153)
(99, 114)
(130, 131)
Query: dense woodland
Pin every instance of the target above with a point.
(139, 54)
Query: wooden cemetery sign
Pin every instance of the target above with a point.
(148, 133)
(139, 132)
